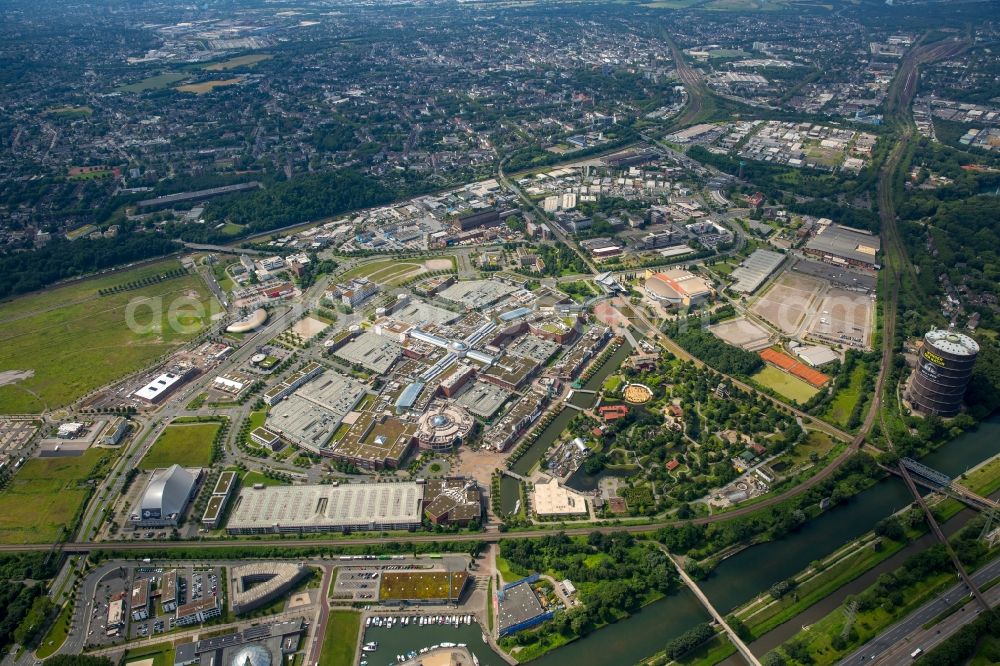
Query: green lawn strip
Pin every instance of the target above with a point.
(57, 633)
(257, 419)
(507, 572)
(252, 478)
(820, 586)
(489, 606)
(188, 445)
(984, 480)
(162, 654)
(870, 623)
(341, 640)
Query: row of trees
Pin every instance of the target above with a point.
(61, 259)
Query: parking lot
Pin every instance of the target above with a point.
(360, 582)
(789, 301)
(192, 584)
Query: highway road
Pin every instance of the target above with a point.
(894, 645)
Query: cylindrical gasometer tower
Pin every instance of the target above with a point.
(943, 372)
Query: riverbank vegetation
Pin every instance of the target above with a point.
(893, 596)
(614, 574)
(698, 542)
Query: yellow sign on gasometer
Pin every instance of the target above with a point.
(934, 358)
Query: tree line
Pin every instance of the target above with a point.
(62, 259)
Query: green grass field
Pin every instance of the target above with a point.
(53, 489)
(161, 653)
(341, 640)
(71, 340)
(157, 82)
(251, 478)
(791, 387)
(843, 402)
(188, 445)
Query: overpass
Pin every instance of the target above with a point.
(963, 574)
(932, 479)
(741, 647)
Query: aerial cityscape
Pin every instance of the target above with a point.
(497, 332)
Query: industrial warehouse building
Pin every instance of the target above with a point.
(754, 270)
(327, 508)
(844, 246)
(517, 607)
(166, 497)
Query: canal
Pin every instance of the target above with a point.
(510, 492)
(737, 579)
(748, 573)
(751, 571)
(580, 399)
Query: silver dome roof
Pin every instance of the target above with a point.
(251, 655)
(169, 490)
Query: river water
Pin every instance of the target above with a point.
(743, 576)
(739, 578)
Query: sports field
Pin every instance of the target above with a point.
(341, 639)
(52, 490)
(791, 387)
(186, 444)
(61, 343)
(393, 272)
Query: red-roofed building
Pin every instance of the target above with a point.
(612, 412)
(672, 465)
